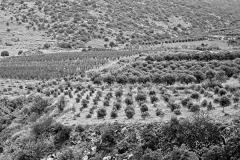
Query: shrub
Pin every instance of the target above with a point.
(4, 53)
(210, 74)
(130, 112)
(159, 112)
(144, 108)
(64, 45)
(61, 103)
(109, 79)
(39, 105)
(209, 106)
(101, 113)
(152, 155)
(185, 101)
(204, 103)
(141, 97)
(195, 108)
(78, 99)
(177, 112)
(195, 96)
(118, 105)
(39, 128)
(119, 93)
(62, 133)
(216, 90)
(222, 92)
(20, 52)
(181, 153)
(79, 128)
(153, 99)
(114, 114)
(106, 103)
(88, 116)
(145, 114)
(85, 103)
(189, 104)
(236, 99)
(202, 91)
(224, 102)
(216, 100)
(151, 93)
(173, 106)
(46, 46)
(129, 101)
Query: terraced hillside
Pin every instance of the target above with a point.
(109, 23)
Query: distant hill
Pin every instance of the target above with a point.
(108, 23)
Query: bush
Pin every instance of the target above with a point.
(85, 103)
(101, 113)
(39, 128)
(151, 93)
(145, 114)
(159, 112)
(106, 103)
(64, 45)
(78, 99)
(216, 90)
(153, 99)
(152, 155)
(204, 103)
(20, 52)
(222, 92)
(144, 108)
(88, 116)
(130, 112)
(195, 108)
(119, 93)
(195, 96)
(61, 103)
(181, 153)
(141, 97)
(108, 79)
(79, 128)
(209, 106)
(39, 105)
(46, 46)
(173, 106)
(177, 112)
(4, 53)
(189, 104)
(61, 132)
(185, 101)
(216, 100)
(113, 114)
(236, 99)
(224, 102)
(129, 101)
(118, 105)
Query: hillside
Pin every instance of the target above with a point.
(108, 23)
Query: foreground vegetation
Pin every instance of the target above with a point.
(191, 139)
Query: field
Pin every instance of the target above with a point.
(51, 66)
(119, 80)
(72, 111)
